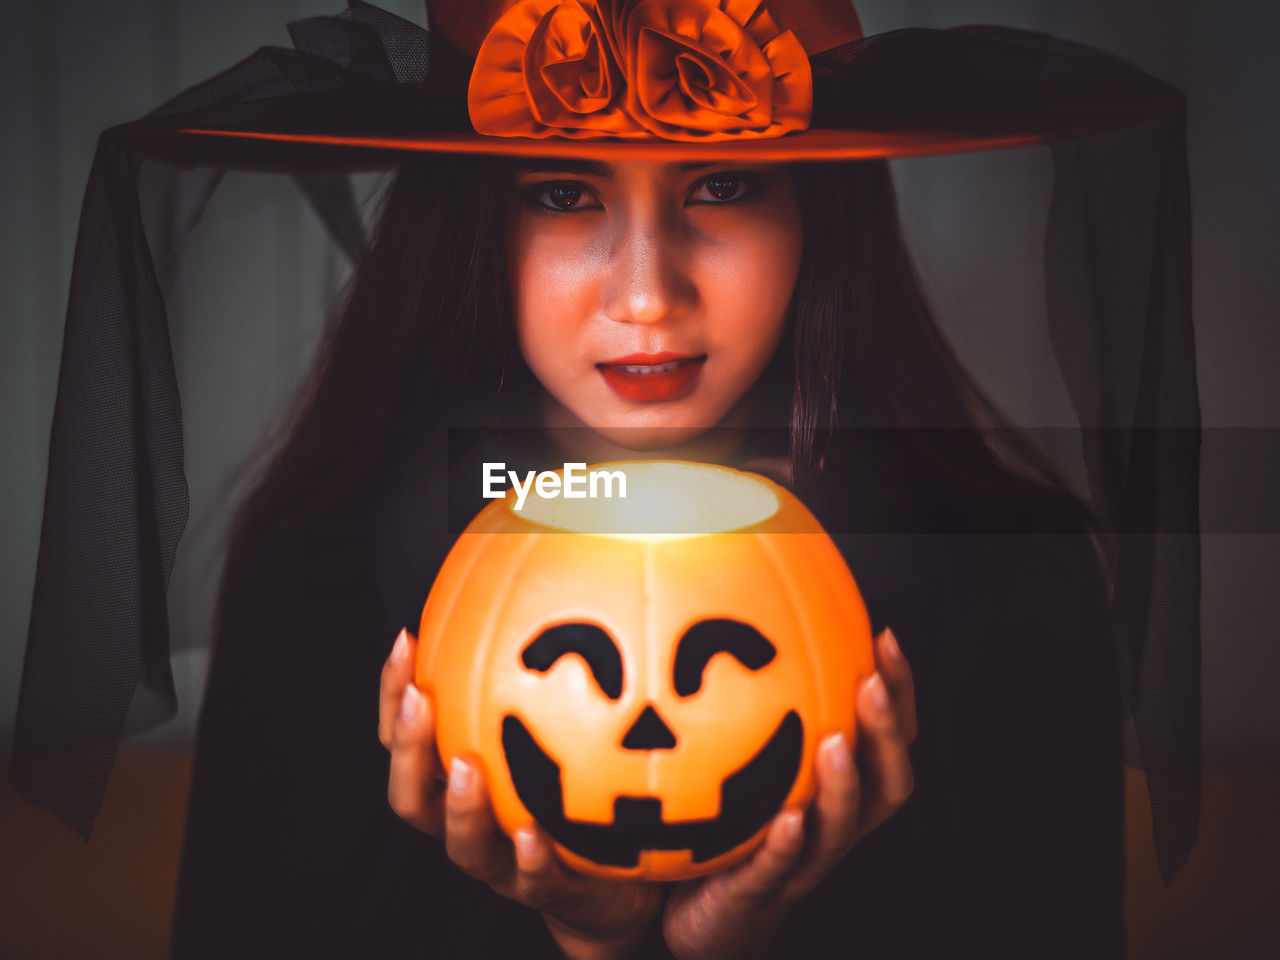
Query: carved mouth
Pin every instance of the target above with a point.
(749, 797)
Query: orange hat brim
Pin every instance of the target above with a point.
(807, 146)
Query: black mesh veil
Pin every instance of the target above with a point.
(1116, 312)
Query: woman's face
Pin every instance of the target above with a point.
(649, 297)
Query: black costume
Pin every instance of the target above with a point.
(1011, 844)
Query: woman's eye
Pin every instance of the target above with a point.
(722, 188)
(568, 196)
(561, 196)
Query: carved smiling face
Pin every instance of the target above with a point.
(749, 797)
(651, 702)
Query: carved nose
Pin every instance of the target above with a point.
(649, 733)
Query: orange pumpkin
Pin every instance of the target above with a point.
(649, 677)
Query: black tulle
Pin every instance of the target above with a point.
(1117, 272)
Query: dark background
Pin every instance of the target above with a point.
(73, 67)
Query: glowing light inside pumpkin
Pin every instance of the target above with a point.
(665, 500)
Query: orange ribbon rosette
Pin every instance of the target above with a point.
(691, 70)
(547, 69)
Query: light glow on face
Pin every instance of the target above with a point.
(689, 268)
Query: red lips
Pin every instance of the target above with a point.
(677, 376)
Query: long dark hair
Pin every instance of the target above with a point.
(426, 336)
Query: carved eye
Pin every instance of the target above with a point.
(588, 641)
(706, 638)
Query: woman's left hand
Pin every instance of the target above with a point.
(734, 913)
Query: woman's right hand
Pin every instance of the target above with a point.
(591, 919)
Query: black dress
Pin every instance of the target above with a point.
(1011, 845)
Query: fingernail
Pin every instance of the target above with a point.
(838, 752)
(792, 825)
(460, 775)
(877, 692)
(401, 648)
(526, 844)
(410, 704)
(891, 644)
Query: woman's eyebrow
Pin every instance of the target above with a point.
(590, 167)
(594, 167)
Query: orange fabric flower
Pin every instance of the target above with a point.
(700, 70)
(692, 70)
(547, 69)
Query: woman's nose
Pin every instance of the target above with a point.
(648, 279)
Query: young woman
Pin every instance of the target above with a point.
(711, 283)
(681, 294)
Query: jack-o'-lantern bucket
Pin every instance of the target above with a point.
(647, 676)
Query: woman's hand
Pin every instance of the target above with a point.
(734, 913)
(589, 918)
